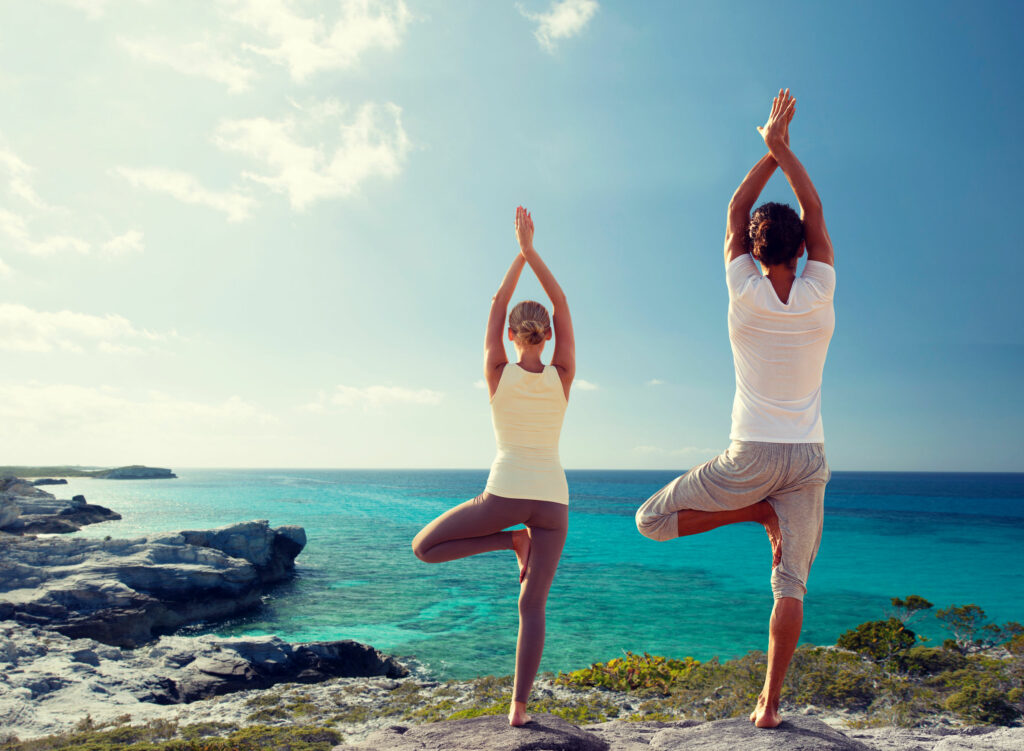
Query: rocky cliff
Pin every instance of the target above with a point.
(126, 592)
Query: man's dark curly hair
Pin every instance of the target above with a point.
(775, 233)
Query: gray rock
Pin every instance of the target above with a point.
(989, 739)
(49, 481)
(48, 681)
(633, 736)
(40, 512)
(796, 733)
(545, 733)
(9, 510)
(126, 592)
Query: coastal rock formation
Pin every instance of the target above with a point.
(49, 481)
(42, 674)
(546, 732)
(26, 509)
(135, 472)
(554, 734)
(9, 511)
(794, 734)
(126, 592)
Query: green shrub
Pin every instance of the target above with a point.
(879, 640)
(930, 661)
(1016, 645)
(982, 704)
(644, 673)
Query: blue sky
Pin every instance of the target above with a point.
(243, 233)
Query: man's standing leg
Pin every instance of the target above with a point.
(783, 635)
(800, 512)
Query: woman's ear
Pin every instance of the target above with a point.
(549, 335)
(511, 334)
(803, 247)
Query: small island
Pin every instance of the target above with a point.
(130, 472)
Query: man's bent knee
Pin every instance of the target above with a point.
(659, 527)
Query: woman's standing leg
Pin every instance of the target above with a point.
(548, 525)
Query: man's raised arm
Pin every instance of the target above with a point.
(738, 218)
(776, 137)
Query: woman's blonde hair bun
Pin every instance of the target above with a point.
(529, 322)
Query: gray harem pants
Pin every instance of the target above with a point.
(790, 476)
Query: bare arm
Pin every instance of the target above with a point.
(564, 357)
(743, 200)
(738, 218)
(495, 357)
(819, 244)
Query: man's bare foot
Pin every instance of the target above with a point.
(771, 526)
(517, 714)
(521, 544)
(766, 713)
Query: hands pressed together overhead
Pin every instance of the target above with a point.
(776, 129)
(524, 229)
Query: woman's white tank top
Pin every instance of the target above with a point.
(527, 410)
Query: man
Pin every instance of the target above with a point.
(774, 471)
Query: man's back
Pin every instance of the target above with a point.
(779, 352)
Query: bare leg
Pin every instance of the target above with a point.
(470, 528)
(784, 633)
(691, 522)
(545, 551)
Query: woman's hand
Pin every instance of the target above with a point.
(776, 130)
(524, 230)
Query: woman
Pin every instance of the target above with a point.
(526, 484)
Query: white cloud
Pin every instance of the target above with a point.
(372, 396)
(129, 242)
(480, 384)
(369, 144)
(92, 8)
(108, 414)
(26, 330)
(16, 228)
(656, 382)
(4, 268)
(187, 189)
(309, 44)
(32, 209)
(583, 385)
(565, 19)
(18, 179)
(204, 59)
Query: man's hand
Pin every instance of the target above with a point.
(776, 130)
(524, 230)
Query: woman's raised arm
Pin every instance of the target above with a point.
(564, 357)
(495, 357)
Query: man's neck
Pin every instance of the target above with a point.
(781, 275)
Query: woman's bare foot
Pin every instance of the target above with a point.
(521, 544)
(517, 714)
(766, 713)
(771, 525)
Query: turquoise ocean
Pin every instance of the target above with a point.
(952, 538)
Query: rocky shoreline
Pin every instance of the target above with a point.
(85, 647)
(27, 510)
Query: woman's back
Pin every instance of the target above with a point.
(527, 410)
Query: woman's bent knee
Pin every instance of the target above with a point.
(420, 549)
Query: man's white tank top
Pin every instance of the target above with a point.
(527, 410)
